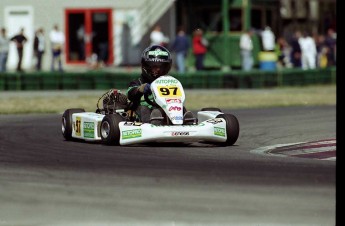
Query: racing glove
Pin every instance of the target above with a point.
(145, 88)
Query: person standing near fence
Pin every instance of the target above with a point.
(57, 40)
(268, 39)
(199, 48)
(157, 37)
(39, 47)
(246, 46)
(20, 40)
(331, 43)
(4, 47)
(308, 51)
(180, 46)
(296, 50)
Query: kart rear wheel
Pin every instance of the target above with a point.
(211, 109)
(232, 128)
(67, 123)
(110, 131)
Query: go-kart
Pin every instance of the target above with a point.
(117, 124)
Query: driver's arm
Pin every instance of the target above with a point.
(135, 90)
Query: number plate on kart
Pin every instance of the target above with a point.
(169, 91)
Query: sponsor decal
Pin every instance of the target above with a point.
(177, 118)
(89, 129)
(158, 52)
(173, 101)
(166, 81)
(219, 131)
(215, 121)
(179, 133)
(132, 123)
(77, 126)
(130, 134)
(175, 108)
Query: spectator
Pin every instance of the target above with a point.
(4, 47)
(331, 42)
(57, 40)
(308, 50)
(157, 37)
(296, 50)
(180, 46)
(246, 46)
(81, 42)
(19, 40)
(322, 51)
(39, 47)
(268, 39)
(283, 51)
(199, 48)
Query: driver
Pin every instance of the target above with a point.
(155, 61)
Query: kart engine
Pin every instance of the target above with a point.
(113, 101)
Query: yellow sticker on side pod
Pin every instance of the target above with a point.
(77, 126)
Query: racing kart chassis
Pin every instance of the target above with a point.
(115, 124)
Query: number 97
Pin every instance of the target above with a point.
(168, 91)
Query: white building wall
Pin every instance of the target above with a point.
(47, 13)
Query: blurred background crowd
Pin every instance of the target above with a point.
(202, 35)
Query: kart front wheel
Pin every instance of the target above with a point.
(110, 131)
(67, 122)
(232, 128)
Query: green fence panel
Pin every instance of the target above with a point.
(292, 77)
(230, 80)
(209, 79)
(31, 81)
(270, 78)
(215, 79)
(51, 81)
(69, 81)
(103, 82)
(333, 72)
(13, 81)
(121, 81)
(86, 81)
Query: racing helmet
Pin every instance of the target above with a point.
(155, 61)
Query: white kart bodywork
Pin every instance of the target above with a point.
(210, 125)
(86, 126)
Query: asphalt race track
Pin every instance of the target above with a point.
(46, 180)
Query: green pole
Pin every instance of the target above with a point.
(246, 4)
(226, 30)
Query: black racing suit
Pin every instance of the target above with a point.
(142, 108)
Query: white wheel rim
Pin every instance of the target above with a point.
(105, 129)
(63, 127)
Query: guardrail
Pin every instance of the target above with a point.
(191, 80)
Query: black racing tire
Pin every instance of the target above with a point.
(211, 109)
(110, 131)
(232, 128)
(67, 123)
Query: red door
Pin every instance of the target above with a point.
(89, 35)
